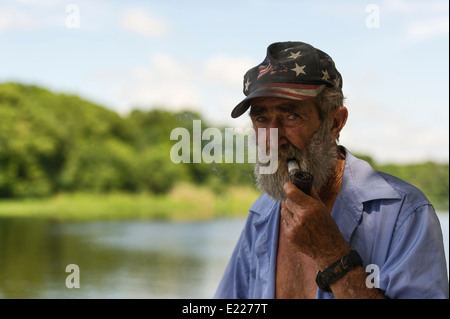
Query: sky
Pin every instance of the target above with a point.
(393, 56)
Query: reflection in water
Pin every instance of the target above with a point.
(134, 259)
(116, 259)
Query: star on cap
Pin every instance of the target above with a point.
(299, 69)
(247, 83)
(325, 75)
(337, 81)
(295, 55)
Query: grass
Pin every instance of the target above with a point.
(185, 202)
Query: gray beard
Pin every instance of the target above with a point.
(319, 160)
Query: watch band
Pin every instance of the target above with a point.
(337, 270)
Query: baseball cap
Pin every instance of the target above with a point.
(291, 70)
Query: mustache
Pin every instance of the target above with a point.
(287, 152)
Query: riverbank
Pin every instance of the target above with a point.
(184, 202)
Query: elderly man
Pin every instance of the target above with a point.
(360, 233)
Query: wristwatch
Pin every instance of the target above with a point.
(338, 269)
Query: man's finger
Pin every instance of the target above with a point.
(285, 212)
(293, 193)
(314, 193)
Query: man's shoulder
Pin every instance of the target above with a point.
(412, 195)
(393, 193)
(370, 184)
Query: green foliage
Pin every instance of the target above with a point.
(51, 143)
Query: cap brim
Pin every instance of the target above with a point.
(291, 91)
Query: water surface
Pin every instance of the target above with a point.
(120, 259)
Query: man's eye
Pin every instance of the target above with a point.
(261, 119)
(293, 116)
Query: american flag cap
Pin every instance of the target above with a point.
(291, 70)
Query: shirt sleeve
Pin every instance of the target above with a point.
(416, 266)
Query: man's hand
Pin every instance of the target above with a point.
(310, 226)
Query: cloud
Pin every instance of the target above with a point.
(12, 19)
(165, 81)
(399, 143)
(212, 87)
(416, 6)
(377, 128)
(42, 3)
(428, 28)
(423, 19)
(227, 70)
(144, 23)
(30, 15)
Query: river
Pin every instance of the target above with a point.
(118, 259)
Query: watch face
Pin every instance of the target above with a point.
(346, 263)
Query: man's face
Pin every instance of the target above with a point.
(301, 134)
(296, 121)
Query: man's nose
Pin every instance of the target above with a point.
(277, 124)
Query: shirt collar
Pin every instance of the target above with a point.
(361, 183)
(264, 206)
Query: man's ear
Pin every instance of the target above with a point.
(339, 118)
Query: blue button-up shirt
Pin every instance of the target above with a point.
(389, 222)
